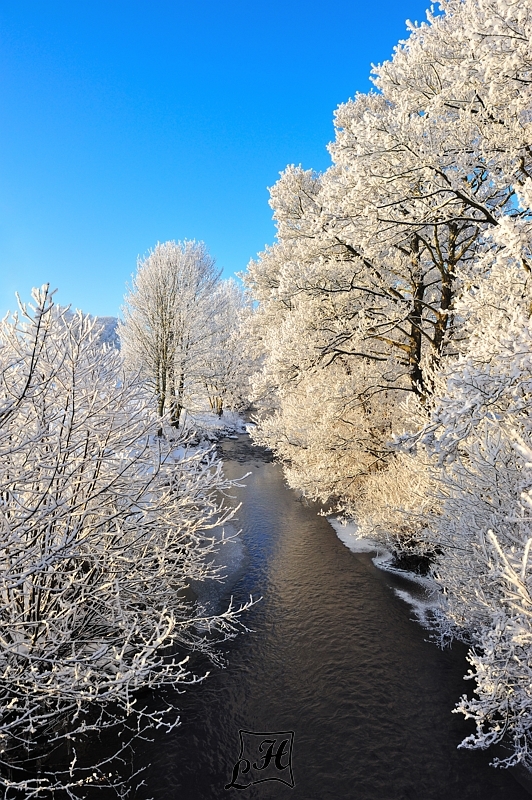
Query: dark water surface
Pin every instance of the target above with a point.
(334, 657)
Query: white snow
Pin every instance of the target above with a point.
(423, 609)
(422, 604)
(347, 532)
(211, 425)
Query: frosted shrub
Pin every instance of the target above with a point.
(100, 532)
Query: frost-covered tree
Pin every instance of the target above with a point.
(372, 254)
(101, 530)
(425, 167)
(228, 365)
(478, 445)
(168, 320)
(474, 454)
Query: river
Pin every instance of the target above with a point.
(334, 657)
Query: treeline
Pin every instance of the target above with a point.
(394, 322)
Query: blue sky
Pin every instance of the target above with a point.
(128, 122)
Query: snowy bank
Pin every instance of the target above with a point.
(421, 597)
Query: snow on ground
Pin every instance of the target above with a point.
(424, 607)
(347, 532)
(203, 429)
(423, 602)
(212, 427)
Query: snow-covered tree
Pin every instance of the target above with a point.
(372, 254)
(101, 531)
(227, 366)
(478, 444)
(168, 320)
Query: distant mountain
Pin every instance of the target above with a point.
(108, 331)
(106, 328)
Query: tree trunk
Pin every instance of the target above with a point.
(415, 318)
(161, 396)
(176, 406)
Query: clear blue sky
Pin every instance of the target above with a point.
(128, 122)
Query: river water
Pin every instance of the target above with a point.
(334, 657)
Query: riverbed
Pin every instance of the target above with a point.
(336, 659)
